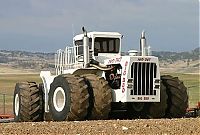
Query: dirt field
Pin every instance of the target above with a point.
(152, 126)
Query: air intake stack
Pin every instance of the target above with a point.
(85, 48)
(143, 44)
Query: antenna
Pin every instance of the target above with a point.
(73, 29)
(72, 32)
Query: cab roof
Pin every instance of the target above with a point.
(99, 34)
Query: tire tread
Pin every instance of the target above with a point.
(177, 96)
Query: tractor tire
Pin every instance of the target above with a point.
(177, 96)
(68, 98)
(158, 109)
(28, 103)
(100, 97)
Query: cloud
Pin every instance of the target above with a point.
(167, 22)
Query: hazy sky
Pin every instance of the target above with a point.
(47, 25)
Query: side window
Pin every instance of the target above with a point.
(79, 47)
(79, 43)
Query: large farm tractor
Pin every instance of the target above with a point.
(93, 80)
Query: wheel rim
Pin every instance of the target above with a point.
(59, 99)
(16, 104)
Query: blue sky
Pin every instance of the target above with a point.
(47, 25)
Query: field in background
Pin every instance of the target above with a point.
(8, 81)
(7, 86)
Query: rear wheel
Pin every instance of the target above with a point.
(158, 109)
(101, 97)
(68, 98)
(177, 96)
(28, 102)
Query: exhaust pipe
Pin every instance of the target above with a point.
(143, 44)
(86, 58)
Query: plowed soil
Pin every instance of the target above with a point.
(138, 126)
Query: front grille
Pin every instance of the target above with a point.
(143, 75)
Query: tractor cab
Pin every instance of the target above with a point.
(102, 45)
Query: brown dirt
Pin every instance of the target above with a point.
(138, 126)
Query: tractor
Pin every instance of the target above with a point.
(94, 80)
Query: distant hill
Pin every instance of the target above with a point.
(182, 62)
(174, 56)
(45, 61)
(27, 60)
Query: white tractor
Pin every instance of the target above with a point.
(94, 81)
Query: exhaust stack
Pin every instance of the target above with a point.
(143, 44)
(85, 48)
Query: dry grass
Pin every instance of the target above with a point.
(180, 66)
(7, 85)
(8, 81)
(8, 69)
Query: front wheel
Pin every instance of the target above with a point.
(68, 98)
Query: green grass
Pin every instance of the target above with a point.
(7, 86)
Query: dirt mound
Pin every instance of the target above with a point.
(138, 126)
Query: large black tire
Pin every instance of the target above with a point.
(100, 97)
(76, 102)
(177, 96)
(158, 109)
(28, 102)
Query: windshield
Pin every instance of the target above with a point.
(106, 45)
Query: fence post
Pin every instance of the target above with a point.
(4, 102)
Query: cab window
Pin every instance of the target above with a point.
(79, 43)
(106, 45)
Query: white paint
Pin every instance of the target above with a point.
(59, 99)
(16, 104)
(47, 79)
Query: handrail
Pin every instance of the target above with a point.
(68, 59)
